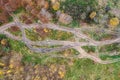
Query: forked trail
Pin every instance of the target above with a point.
(64, 44)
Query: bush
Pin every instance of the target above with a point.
(76, 7)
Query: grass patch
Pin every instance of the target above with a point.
(74, 24)
(103, 49)
(85, 69)
(1, 23)
(110, 48)
(114, 3)
(43, 59)
(97, 35)
(16, 33)
(32, 58)
(17, 46)
(89, 48)
(6, 48)
(19, 10)
(32, 35)
(10, 19)
(105, 56)
(60, 35)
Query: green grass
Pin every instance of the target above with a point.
(114, 3)
(1, 23)
(106, 48)
(17, 46)
(89, 48)
(85, 69)
(14, 45)
(10, 18)
(42, 59)
(6, 48)
(99, 36)
(16, 33)
(53, 34)
(74, 24)
(33, 58)
(32, 35)
(110, 48)
(19, 10)
(60, 35)
(105, 57)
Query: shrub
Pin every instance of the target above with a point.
(76, 7)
